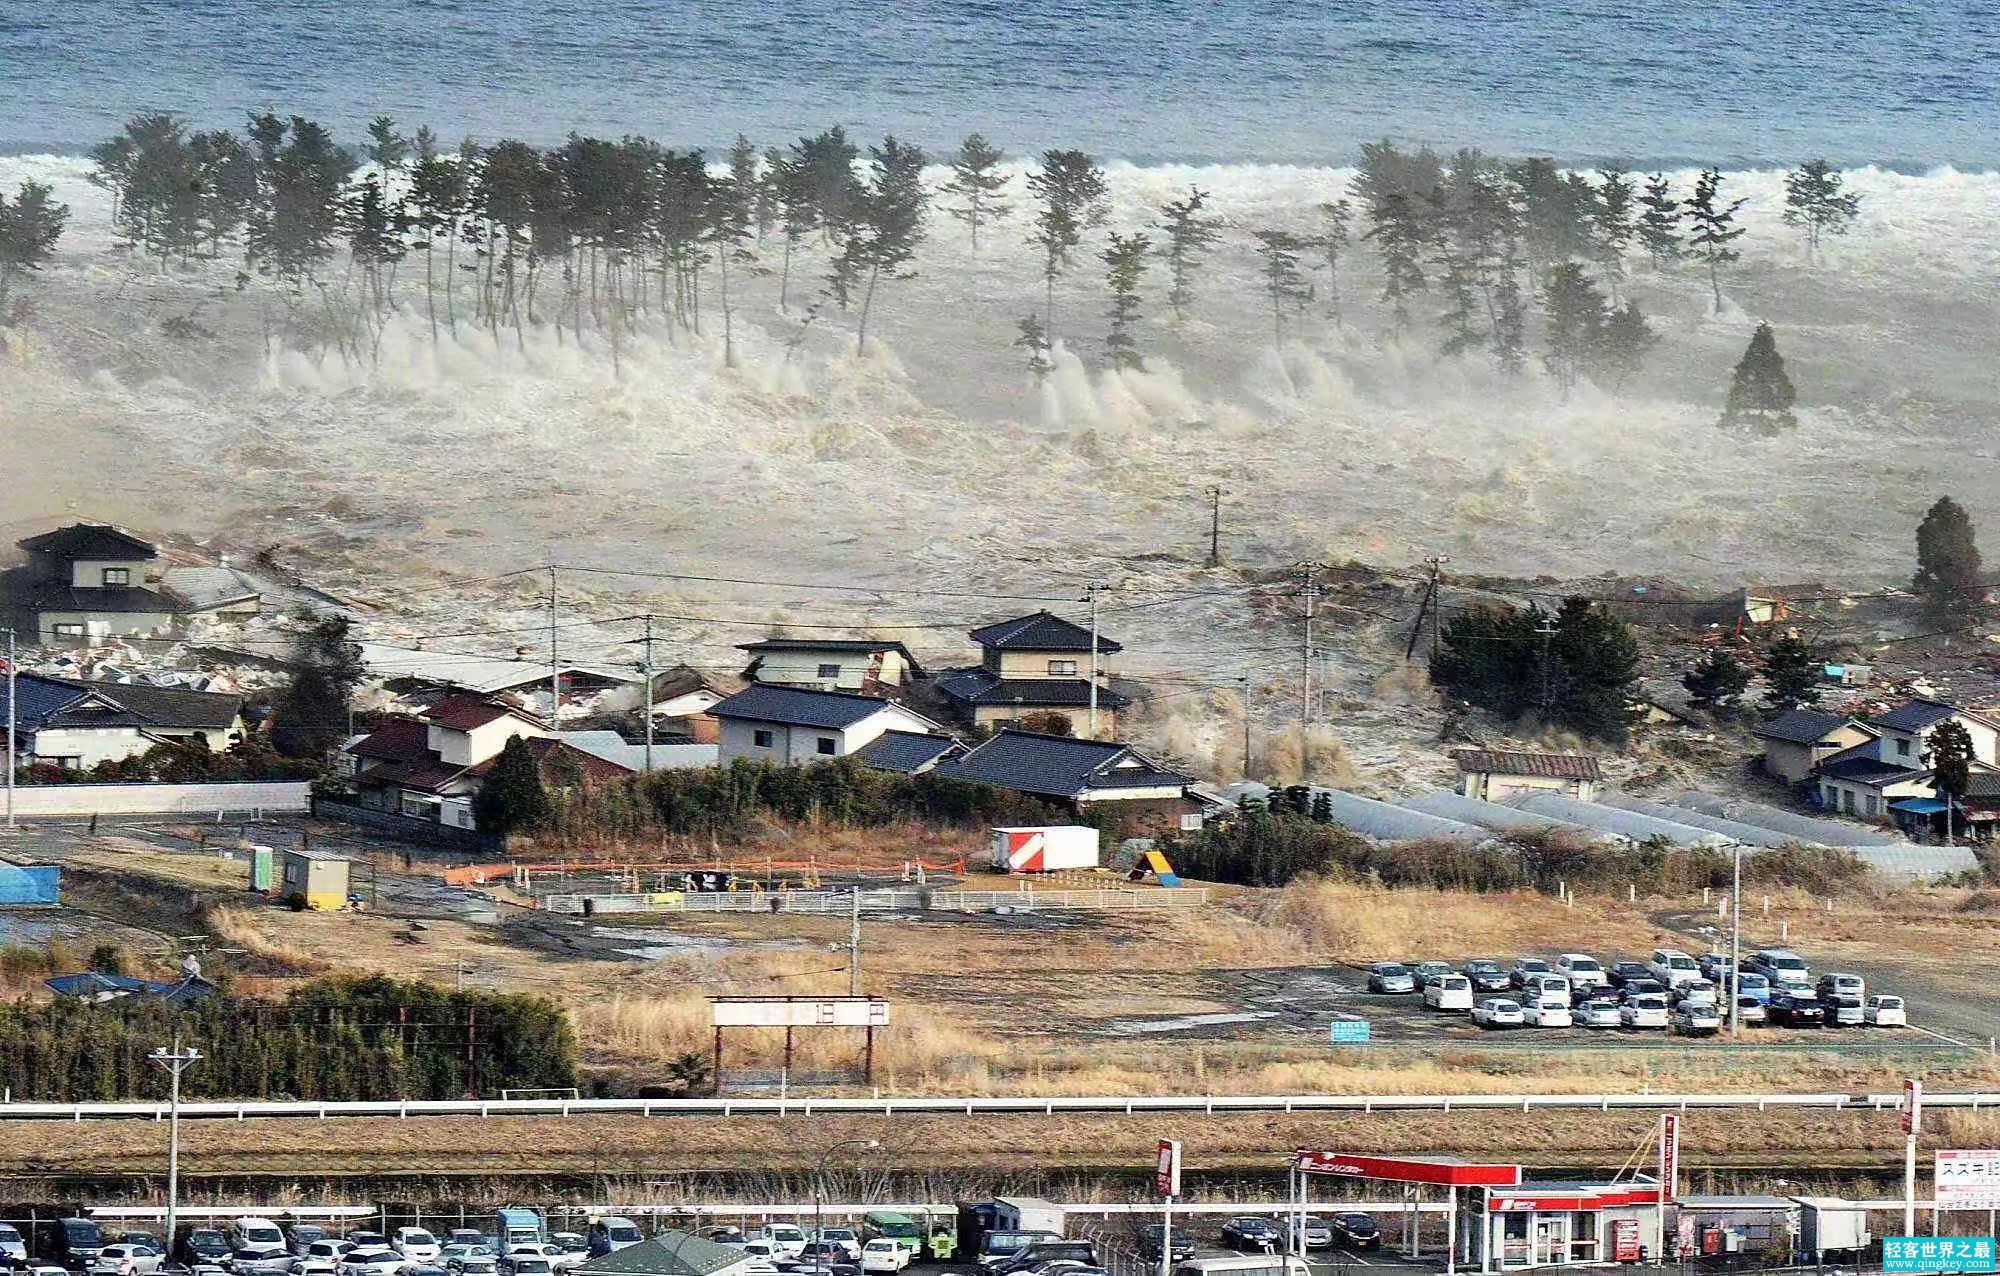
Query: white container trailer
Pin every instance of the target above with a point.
(1043, 848)
(1830, 1225)
(1027, 1214)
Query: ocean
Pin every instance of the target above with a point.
(1739, 83)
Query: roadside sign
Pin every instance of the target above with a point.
(1967, 1180)
(1167, 1169)
(1625, 1240)
(1670, 1156)
(1349, 1032)
(1937, 1253)
(1912, 1106)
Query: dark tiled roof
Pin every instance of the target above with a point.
(1055, 766)
(397, 740)
(976, 686)
(905, 751)
(546, 751)
(53, 702)
(1043, 631)
(1860, 765)
(91, 540)
(40, 698)
(57, 596)
(1914, 715)
(1801, 726)
(798, 706)
(426, 773)
(1550, 766)
(669, 1253)
(1983, 784)
(465, 713)
(171, 706)
(824, 644)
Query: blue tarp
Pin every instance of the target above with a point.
(28, 884)
(94, 985)
(1918, 806)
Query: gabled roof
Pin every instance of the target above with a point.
(1057, 766)
(861, 645)
(669, 1253)
(207, 588)
(397, 740)
(907, 751)
(1915, 714)
(1549, 766)
(547, 751)
(1042, 631)
(1803, 726)
(72, 702)
(799, 706)
(60, 595)
(977, 686)
(468, 713)
(1861, 765)
(91, 540)
(1983, 784)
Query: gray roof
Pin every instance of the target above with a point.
(1042, 631)
(61, 596)
(1914, 715)
(669, 1253)
(905, 751)
(48, 702)
(202, 588)
(1861, 765)
(1057, 766)
(1801, 726)
(91, 540)
(977, 686)
(798, 706)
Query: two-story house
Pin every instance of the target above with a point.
(794, 725)
(1083, 776)
(866, 665)
(1894, 766)
(1035, 670)
(92, 580)
(75, 725)
(1797, 741)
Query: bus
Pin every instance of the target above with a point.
(900, 1228)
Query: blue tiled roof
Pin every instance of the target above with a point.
(904, 751)
(1042, 631)
(978, 686)
(1056, 766)
(798, 706)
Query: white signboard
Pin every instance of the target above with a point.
(802, 1012)
(1968, 1180)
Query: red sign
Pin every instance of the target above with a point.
(1582, 1198)
(1624, 1240)
(1912, 1106)
(1399, 1169)
(1167, 1168)
(1670, 1156)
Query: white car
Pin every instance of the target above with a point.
(315, 1267)
(1548, 1012)
(1885, 1011)
(883, 1254)
(113, 1258)
(1545, 987)
(459, 1251)
(1673, 967)
(787, 1240)
(1450, 992)
(845, 1237)
(272, 1260)
(416, 1244)
(370, 1261)
(1499, 1012)
(1598, 1012)
(1696, 992)
(528, 1264)
(1696, 1020)
(1647, 1010)
(1583, 971)
(11, 1244)
(1750, 1012)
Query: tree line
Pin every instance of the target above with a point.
(1494, 257)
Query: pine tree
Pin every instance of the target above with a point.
(730, 208)
(1714, 227)
(513, 798)
(1124, 269)
(1622, 344)
(1399, 231)
(1336, 216)
(1815, 202)
(1070, 187)
(1034, 339)
(1948, 564)
(826, 168)
(30, 226)
(1189, 235)
(1613, 223)
(976, 180)
(1574, 318)
(1791, 675)
(1761, 395)
(1717, 683)
(387, 150)
(1284, 284)
(1950, 756)
(888, 229)
(1660, 222)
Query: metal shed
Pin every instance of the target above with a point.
(1610, 819)
(320, 876)
(1447, 805)
(29, 885)
(1734, 830)
(1386, 822)
(1800, 827)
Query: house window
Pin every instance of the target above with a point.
(829, 671)
(65, 764)
(68, 631)
(1902, 748)
(117, 576)
(763, 739)
(1062, 668)
(826, 745)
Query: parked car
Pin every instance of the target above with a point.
(575, 1247)
(1548, 1011)
(1644, 1010)
(1749, 983)
(474, 1265)
(1150, 1236)
(1523, 968)
(1598, 1012)
(1251, 1233)
(1779, 965)
(1843, 1011)
(416, 1244)
(1622, 972)
(1582, 971)
(725, 1234)
(299, 1236)
(883, 1254)
(1499, 1012)
(846, 1238)
(458, 1251)
(195, 1244)
(466, 1236)
(112, 1260)
(364, 1239)
(1749, 1011)
(12, 1244)
(1673, 967)
(1796, 1008)
(1715, 966)
(1487, 975)
(1043, 1253)
(526, 1263)
(327, 1250)
(1313, 1230)
(1428, 971)
(1356, 1231)
(787, 1239)
(1696, 1019)
(821, 1252)
(1834, 983)
(315, 1267)
(612, 1233)
(1647, 987)
(1885, 1011)
(1550, 986)
(1699, 992)
(136, 1236)
(269, 1260)
(1391, 977)
(1453, 992)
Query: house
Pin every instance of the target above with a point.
(1494, 775)
(407, 669)
(908, 752)
(768, 723)
(75, 725)
(430, 767)
(1081, 776)
(675, 1253)
(1797, 741)
(1905, 731)
(1859, 782)
(91, 580)
(94, 985)
(1036, 670)
(867, 665)
(1866, 779)
(682, 699)
(1776, 604)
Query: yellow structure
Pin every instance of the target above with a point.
(320, 876)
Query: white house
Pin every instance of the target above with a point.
(1895, 764)
(831, 664)
(1904, 732)
(76, 725)
(1494, 775)
(793, 725)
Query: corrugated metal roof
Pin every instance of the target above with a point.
(670, 1253)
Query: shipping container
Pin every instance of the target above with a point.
(1027, 1213)
(1043, 848)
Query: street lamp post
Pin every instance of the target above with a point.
(175, 1061)
(819, 1183)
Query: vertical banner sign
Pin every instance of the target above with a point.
(1670, 1156)
(1913, 1106)
(1167, 1169)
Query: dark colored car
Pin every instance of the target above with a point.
(1152, 1234)
(1796, 1010)
(194, 1244)
(1042, 1252)
(1488, 975)
(1356, 1231)
(1641, 987)
(1251, 1233)
(1623, 972)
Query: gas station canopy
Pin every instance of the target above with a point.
(1441, 1171)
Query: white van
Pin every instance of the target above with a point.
(1449, 992)
(255, 1233)
(787, 1240)
(1673, 967)
(1245, 1265)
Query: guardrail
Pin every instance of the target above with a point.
(895, 899)
(1031, 901)
(1004, 1105)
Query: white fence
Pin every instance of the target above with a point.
(288, 797)
(239, 1110)
(875, 901)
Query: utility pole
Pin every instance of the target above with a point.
(854, 942)
(1215, 527)
(175, 1061)
(646, 670)
(1546, 630)
(1244, 682)
(1090, 591)
(1735, 941)
(1309, 586)
(1437, 562)
(12, 719)
(555, 672)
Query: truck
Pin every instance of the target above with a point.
(513, 1226)
(1042, 848)
(1027, 1213)
(1830, 1225)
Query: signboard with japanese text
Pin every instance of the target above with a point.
(1349, 1032)
(1167, 1169)
(1967, 1180)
